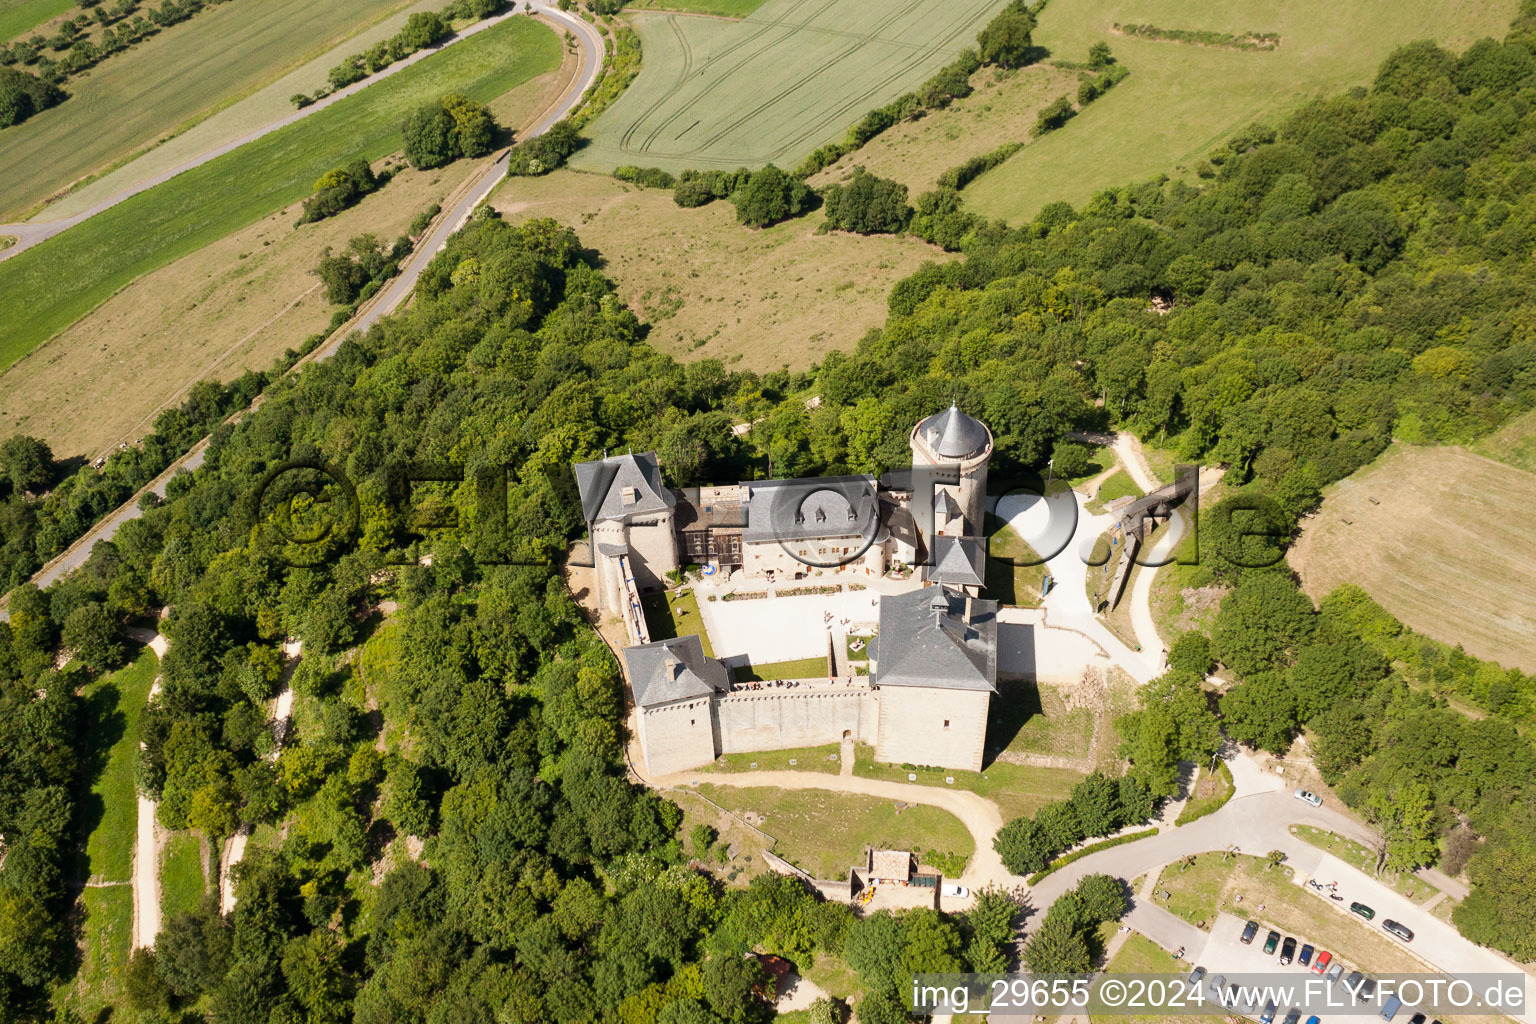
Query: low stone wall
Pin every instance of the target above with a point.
(777, 719)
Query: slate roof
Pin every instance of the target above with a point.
(675, 669)
(812, 509)
(959, 561)
(925, 640)
(602, 483)
(953, 434)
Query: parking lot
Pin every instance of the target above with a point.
(1248, 965)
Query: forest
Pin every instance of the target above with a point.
(1355, 274)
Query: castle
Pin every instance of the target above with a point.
(933, 664)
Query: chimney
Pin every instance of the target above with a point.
(671, 664)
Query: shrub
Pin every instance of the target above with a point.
(442, 132)
(868, 205)
(770, 196)
(543, 153)
(1008, 40)
(1053, 117)
(23, 94)
(650, 177)
(339, 189)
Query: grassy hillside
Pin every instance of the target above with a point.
(18, 17)
(1181, 100)
(114, 706)
(773, 87)
(45, 289)
(709, 288)
(151, 89)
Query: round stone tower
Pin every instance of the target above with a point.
(953, 439)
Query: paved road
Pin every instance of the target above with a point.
(34, 232)
(388, 300)
(1258, 820)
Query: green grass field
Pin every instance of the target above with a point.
(1015, 788)
(1181, 101)
(181, 875)
(801, 668)
(104, 942)
(18, 17)
(806, 759)
(671, 614)
(114, 706)
(1014, 571)
(824, 832)
(137, 97)
(720, 8)
(46, 288)
(1514, 443)
(773, 87)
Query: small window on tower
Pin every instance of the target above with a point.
(946, 723)
(693, 721)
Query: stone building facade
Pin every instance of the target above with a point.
(933, 668)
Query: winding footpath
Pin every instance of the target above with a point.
(146, 847)
(281, 712)
(387, 301)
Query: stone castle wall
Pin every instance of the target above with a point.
(677, 736)
(943, 728)
(779, 719)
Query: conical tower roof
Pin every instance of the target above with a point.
(953, 434)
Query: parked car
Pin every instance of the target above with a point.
(957, 891)
(1368, 990)
(1417, 1018)
(1218, 983)
(1335, 972)
(1271, 942)
(1305, 956)
(1287, 951)
(1353, 983)
(1195, 977)
(1321, 963)
(1314, 1019)
(1293, 1016)
(1392, 927)
(1268, 1016)
(1390, 1007)
(1363, 910)
(1308, 797)
(1249, 931)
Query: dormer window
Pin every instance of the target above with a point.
(799, 517)
(821, 514)
(630, 495)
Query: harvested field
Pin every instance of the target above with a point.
(149, 90)
(1440, 538)
(709, 287)
(233, 305)
(1181, 100)
(1003, 109)
(773, 87)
